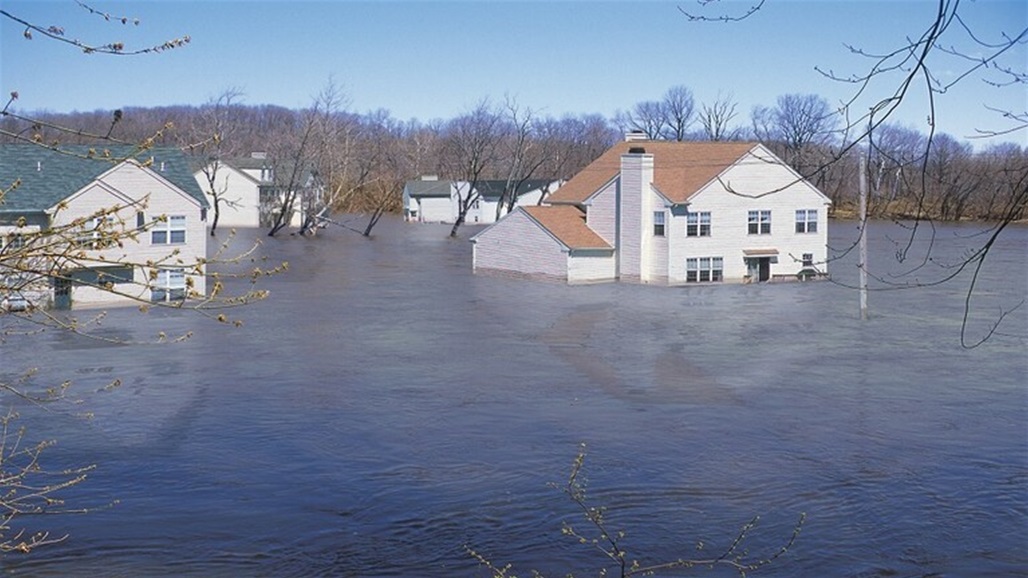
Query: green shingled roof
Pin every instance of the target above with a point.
(47, 176)
(427, 188)
(493, 189)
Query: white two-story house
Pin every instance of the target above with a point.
(668, 212)
(94, 226)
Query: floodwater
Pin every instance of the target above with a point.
(384, 409)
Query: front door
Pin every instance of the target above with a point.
(764, 267)
(62, 294)
(758, 269)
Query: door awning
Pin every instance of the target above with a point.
(760, 252)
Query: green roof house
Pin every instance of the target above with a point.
(94, 226)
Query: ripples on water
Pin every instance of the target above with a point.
(385, 407)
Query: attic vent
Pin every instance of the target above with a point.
(636, 151)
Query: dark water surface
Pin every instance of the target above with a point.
(385, 408)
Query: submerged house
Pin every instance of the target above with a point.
(249, 191)
(125, 226)
(668, 212)
(430, 200)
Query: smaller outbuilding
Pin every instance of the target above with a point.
(430, 200)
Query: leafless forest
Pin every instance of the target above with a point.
(366, 158)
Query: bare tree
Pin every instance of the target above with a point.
(679, 112)
(211, 139)
(799, 124)
(297, 158)
(470, 150)
(716, 119)
(646, 117)
(669, 118)
(524, 153)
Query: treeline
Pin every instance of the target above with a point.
(368, 157)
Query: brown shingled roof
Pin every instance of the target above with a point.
(567, 224)
(680, 169)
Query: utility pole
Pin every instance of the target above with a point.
(863, 238)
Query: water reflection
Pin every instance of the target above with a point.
(385, 407)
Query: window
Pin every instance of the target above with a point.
(704, 269)
(808, 259)
(14, 241)
(169, 231)
(658, 223)
(806, 220)
(170, 285)
(697, 224)
(96, 234)
(759, 222)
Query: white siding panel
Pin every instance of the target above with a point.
(239, 195)
(129, 182)
(516, 244)
(436, 210)
(655, 249)
(741, 190)
(601, 213)
(590, 268)
(632, 201)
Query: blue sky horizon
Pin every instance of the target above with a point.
(432, 60)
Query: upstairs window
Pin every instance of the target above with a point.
(658, 223)
(759, 222)
(171, 231)
(697, 224)
(97, 234)
(806, 220)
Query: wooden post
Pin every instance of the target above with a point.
(863, 238)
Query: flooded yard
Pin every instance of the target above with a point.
(385, 408)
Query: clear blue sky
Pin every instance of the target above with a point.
(429, 60)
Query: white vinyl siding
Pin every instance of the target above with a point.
(537, 252)
(730, 210)
(119, 187)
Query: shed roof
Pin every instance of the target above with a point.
(427, 188)
(680, 169)
(46, 176)
(493, 189)
(567, 224)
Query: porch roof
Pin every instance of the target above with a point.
(766, 252)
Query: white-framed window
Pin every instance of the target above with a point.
(171, 231)
(697, 224)
(759, 222)
(170, 285)
(704, 269)
(13, 241)
(806, 220)
(96, 234)
(658, 223)
(808, 259)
